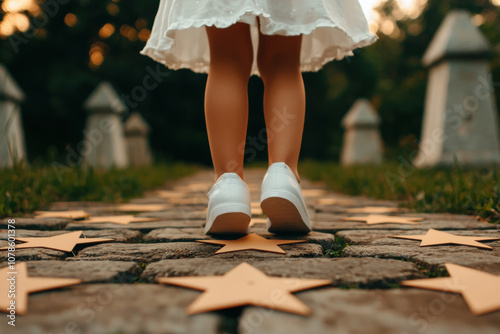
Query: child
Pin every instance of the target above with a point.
(276, 40)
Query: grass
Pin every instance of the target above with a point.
(23, 190)
(453, 190)
(337, 248)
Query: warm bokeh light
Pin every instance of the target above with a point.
(13, 22)
(96, 55)
(141, 24)
(478, 19)
(16, 5)
(16, 16)
(388, 27)
(407, 8)
(40, 33)
(128, 32)
(70, 19)
(6, 29)
(113, 9)
(107, 30)
(144, 34)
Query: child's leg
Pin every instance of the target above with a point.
(226, 96)
(278, 60)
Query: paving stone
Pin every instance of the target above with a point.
(178, 212)
(369, 272)
(326, 240)
(120, 235)
(331, 223)
(147, 252)
(114, 308)
(79, 205)
(88, 272)
(32, 254)
(148, 200)
(143, 227)
(431, 256)
(37, 223)
(380, 237)
(397, 311)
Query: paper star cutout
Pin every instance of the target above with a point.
(381, 219)
(71, 214)
(251, 241)
(480, 290)
(124, 219)
(374, 209)
(313, 192)
(169, 194)
(246, 285)
(257, 221)
(142, 207)
(63, 242)
(335, 201)
(435, 237)
(25, 285)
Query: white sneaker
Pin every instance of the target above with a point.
(228, 206)
(282, 201)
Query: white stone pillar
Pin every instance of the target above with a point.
(460, 117)
(362, 141)
(136, 134)
(12, 144)
(105, 144)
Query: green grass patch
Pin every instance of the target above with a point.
(23, 190)
(433, 272)
(453, 190)
(338, 246)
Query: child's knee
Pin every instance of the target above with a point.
(277, 64)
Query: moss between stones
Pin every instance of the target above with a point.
(338, 246)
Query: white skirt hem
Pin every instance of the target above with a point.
(160, 50)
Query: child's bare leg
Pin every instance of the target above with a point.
(226, 96)
(278, 60)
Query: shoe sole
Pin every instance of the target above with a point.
(230, 223)
(283, 215)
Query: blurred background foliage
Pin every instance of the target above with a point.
(59, 60)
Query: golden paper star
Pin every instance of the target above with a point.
(123, 219)
(335, 201)
(381, 219)
(313, 192)
(374, 209)
(142, 207)
(169, 194)
(246, 285)
(71, 214)
(251, 241)
(63, 242)
(435, 237)
(480, 290)
(25, 285)
(257, 221)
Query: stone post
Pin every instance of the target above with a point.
(460, 117)
(12, 144)
(136, 134)
(105, 144)
(362, 141)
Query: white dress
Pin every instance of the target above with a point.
(331, 29)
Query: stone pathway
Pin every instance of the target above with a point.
(119, 293)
